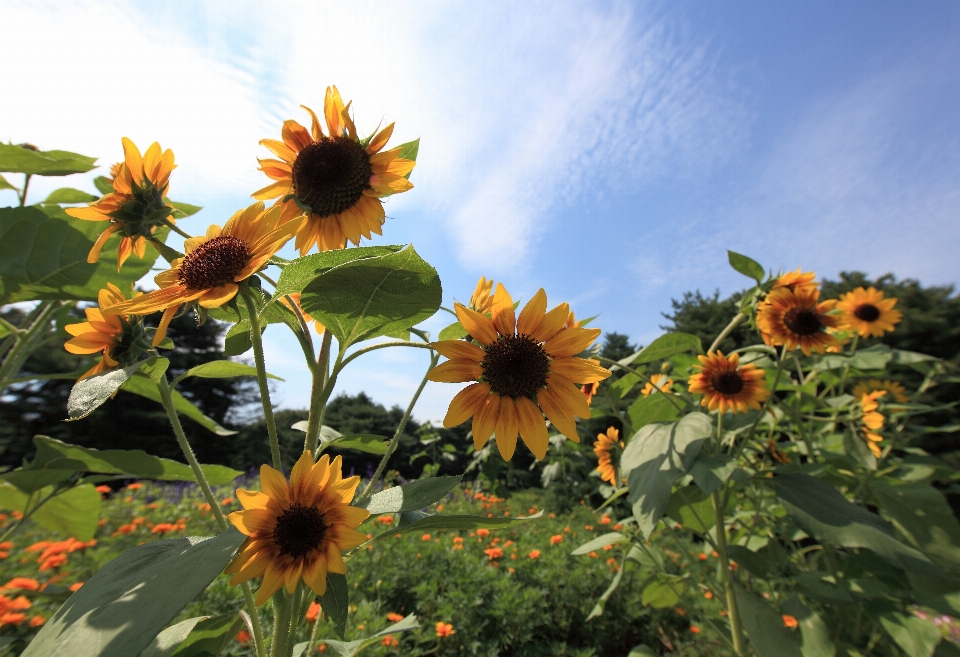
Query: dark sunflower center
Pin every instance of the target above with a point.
(803, 321)
(299, 530)
(727, 383)
(515, 366)
(867, 312)
(214, 263)
(331, 174)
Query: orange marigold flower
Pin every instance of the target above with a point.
(797, 319)
(390, 641)
(37, 620)
(394, 617)
(789, 621)
(55, 561)
(493, 553)
(557, 538)
(695, 629)
(313, 612)
(23, 583)
(385, 519)
(728, 386)
(483, 532)
(444, 629)
(534, 554)
(458, 539)
(12, 618)
(867, 312)
(425, 537)
(242, 637)
(605, 520)
(103, 490)
(134, 486)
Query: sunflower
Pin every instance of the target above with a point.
(871, 420)
(317, 326)
(797, 280)
(657, 382)
(727, 385)
(482, 298)
(797, 318)
(602, 448)
(337, 179)
(523, 367)
(297, 530)
(113, 336)
(868, 313)
(214, 264)
(896, 389)
(136, 206)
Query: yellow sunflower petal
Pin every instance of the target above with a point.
(272, 581)
(579, 370)
(562, 419)
(133, 160)
(165, 320)
(532, 428)
(508, 426)
(217, 296)
(315, 575)
(252, 499)
(479, 327)
(456, 371)
(502, 312)
(459, 349)
(570, 342)
(552, 322)
(94, 254)
(380, 140)
(273, 190)
(485, 420)
(280, 149)
(335, 560)
(274, 484)
(569, 395)
(532, 314)
(465, 404)
(254, 521)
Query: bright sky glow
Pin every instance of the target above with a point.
(608, 152)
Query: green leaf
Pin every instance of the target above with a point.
(599, 543)
(746, 266)
(656, 407)
(89, 394)
(73, 512)
(196, 637)
(366, 298)
(457, 522)
(43, 163)
(453, 332)
(335, 602)
(764, 627)
(821, 511)
(710, 472)
(874, 357)
(655, 458)
(56, 455)
(409, 150)
(664, 347)
(5, 185)
(237, 340)
(140, 384)
(917, 637)
(922, 513)
(299, 273)
(659, 595)
(349, 649)
(184, 209)
(624, 384)
(367, 443)
(692, 508)
(756, 564)
(165, 643)
(43, 255)
(103, 185)
(225, 369)
(642, 651)
(155, 368)
(411, 496)
(602, 600)
(814, 633)
(128, 602)
(68, 195)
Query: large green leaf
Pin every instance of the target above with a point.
(411, 496)
(335, 602)
(365, 298)
(923, 515)
(43, 163)
(361, 442)
(874, 357)
(821, 511)
(664, 347)
(656, 407)
(655, 458)
(89, 394)
(746, 266)
(225, 369)
(56, 455)
(917, 637)
(692, 508)
(814, 633)
(659, 594)
(73, 512)
(140, 384)
(709, 472)
(69, 195)
(196, 637)
(352, 648)
(457, 522)
(128, 602)
(6, 185)
(764, 627)
(302, 271)
(43, 255)
(600, 542)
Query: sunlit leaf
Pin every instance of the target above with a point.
(411, 496)
(43, 163)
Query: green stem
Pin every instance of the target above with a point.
(26, 184)
(643, 378)
(846, 367)
(318, 401)
(434, 358)
(26, 342)
(172, 226)
(732, 609)
(313, 637)
(257, 341)
(382, 345)
(255, 620)
(282, 612)
(734, 323)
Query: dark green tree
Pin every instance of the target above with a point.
(707, 316)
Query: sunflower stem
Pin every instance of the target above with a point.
(645, 379)
(434, 358)
(26, 341)
(282, 612)
(383, 345)
(23, 194)
(318, 402)
(172, 226)
(734, 323)
(846, 367)
(732, 609)
(257, 341)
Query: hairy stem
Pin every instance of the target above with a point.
(257, 341)
(734, 323)
(318, 401)
(282, 612)
(25, 342)
(733, 610)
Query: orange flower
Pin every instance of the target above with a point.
(695, 629)
(868, 313)
(657, 382)
(37, 620)
(11, 618)
(425, 537)
(55, 561)
(23, 583)
(603, 448)
(728, 386)
(557, 538)
(76, 586)
(493, 553)
(337, 179)
(313, 612)
(789, 621)
(242, 637)
(797, 319)
(483, 532)
(394, 618)
(605, 520)
(534, 554)
(104, 490)
(445, 629)
(114, 337)
(390, 641)
(135, 486)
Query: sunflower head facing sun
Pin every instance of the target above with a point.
(214, 265)
(297, 530)
(866, 312)
(797, 318)
(727, 385)
(522, 368)
(119, 340)
(336, 178)
(137, 205)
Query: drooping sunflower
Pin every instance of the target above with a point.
(868, 313)
(136, 207)
(208, 274)
(895, 388)
(657, 382)
(335, 178)
(797, 318)
(797, 280)
(871, 420)
(603, 448)
(115, 337)
(523, 367)
(297, 530)
(295, 296)
(727, 385)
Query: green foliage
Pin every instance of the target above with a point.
(24, 158)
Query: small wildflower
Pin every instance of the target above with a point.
(789, 621)
(556, 539)
(444, 629)
(394, 617)
(313, 612)
(534, 554)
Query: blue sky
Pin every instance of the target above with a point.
(608, 152)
